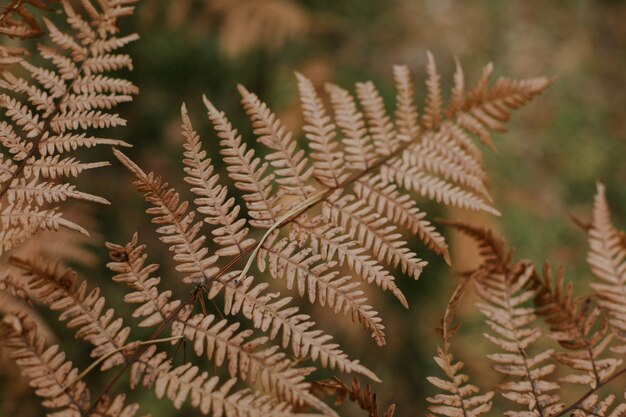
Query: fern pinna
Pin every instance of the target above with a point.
(512, 295)
(323, 220)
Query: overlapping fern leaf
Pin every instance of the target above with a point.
(459, 397)
(56, 109)
(607, 259)
(505, 290)
(348, 205)
(18, 20)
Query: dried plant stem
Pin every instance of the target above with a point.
(131, 345)
(589, 393)
(138, 353)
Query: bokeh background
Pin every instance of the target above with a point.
(545, 167)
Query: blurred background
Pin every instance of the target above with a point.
(545, 167)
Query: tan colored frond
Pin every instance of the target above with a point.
(61, 291)
(291, 166)
(328, 161)
(334, 243)
(577, 326)
(247, 359)
(433, 187)
(153, 369)
(400, 209)
(47, 192)
(504, 289)
(247, 172)
(381, 129)
(460, 398)
(52, 167)
(365, 398)
(115, 408)
(407, 118)
(360, 154)
(272, 314)
(53, 378)
(434, 100)
(128, 264)
(176, 225)
(304, 271)
(458, 91)
(607, 258)
(16, 20)
(231, 233)
(373, 231)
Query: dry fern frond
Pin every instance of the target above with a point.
(16, 20)
(594, 406)
(366, 398)
(57, 110)
(607, 258)
(503, 287)
(60, 289)
(460, 398)
(53, 378)
(578, 326)
(363, 207)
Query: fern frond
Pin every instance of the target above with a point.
(360, 154)
(291, 165)
(328, 161)
(578, 327)
(232, 233)
(373, 232)
(16, 20)
(593, 406)
(271, 313)
(434, 100)
(153, 369)
(400, 209)
(315, 279)
(244, 357)
(177, 225)
(48, 111)
(262, 204)
(607, 258)
(407, 117)
(128, 264)
(46, 368)
(334, 243)
(460, 398)
(384, 136)
(60, 290)
(503, 287)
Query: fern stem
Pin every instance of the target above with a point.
(140, 351)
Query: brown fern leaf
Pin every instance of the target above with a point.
(53, 378)
(578, 327)
(263, 206)
(291, 165)
(224, 344)
(434, 100)
(334, 243)
(365, 398)
(460, 398)
(128, 264)
(384, 136)
(211, 199)
(60, 291)
(270, 313)
(328, 162)
(177, 225)
(607, 258)
(47, 114)
(407, 117)
(503, 287)
(304, 270)
(373, 232)
(153, 369)
(115, 408)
